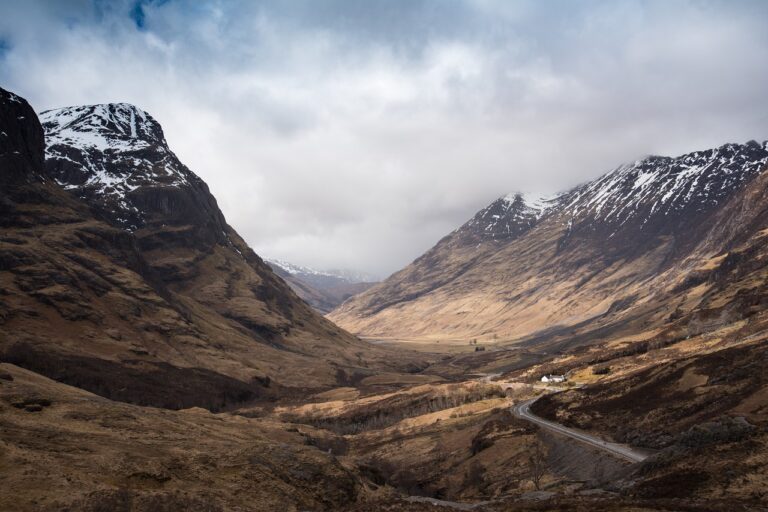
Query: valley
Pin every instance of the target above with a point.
(151, 360)
(324, 290)
(387, 442)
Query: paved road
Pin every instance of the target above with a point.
(523, 410)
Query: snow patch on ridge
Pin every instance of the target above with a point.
(663, 185)
(116, 126)
(536, 203)
(510, 215)
(109, 150)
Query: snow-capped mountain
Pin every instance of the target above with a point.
(657, 188)
(509, 216)
(110, 151)
(322, 289)
(114, 162)
(524, 264)
(349, 276)
(651, 192)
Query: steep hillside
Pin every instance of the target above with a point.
(501, 222)
(66, 449)
(323, 290)
(115, 158)
(608, 257)
(120, 275)
(704, 416)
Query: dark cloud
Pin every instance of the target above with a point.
(357, 133)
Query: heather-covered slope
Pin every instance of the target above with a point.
(131, 284)
(610, 255)
(703, 416)
(66, 449)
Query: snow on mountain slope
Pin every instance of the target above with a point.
(349, 276)
(114, 126)
(659, 185)
(510, 215)
(323, 290)
(110, 151)
(294, 269)
(520, 265)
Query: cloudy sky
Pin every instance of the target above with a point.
(356, 133)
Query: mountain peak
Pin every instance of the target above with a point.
(108, 126)
(21, 141)
(535, 203)
(507, 217)
(109, 151)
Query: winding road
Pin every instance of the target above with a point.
(523, 410)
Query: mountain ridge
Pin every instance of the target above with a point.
(556, 271)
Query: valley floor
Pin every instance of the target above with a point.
(443, 437)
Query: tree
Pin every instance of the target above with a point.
(537, 464)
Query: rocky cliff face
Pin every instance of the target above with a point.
(115, 157)
(20, 141)
(120, 275)
(614, 252)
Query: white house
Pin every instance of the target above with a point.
(553, 378)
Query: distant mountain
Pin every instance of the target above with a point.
(346, 275)
(630, 246)
(120, 275)
(322, 289)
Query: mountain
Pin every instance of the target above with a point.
(501, 222)
(324, 290)
(122, 286)
(618, 254)
(332, 275)
(120, 275)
